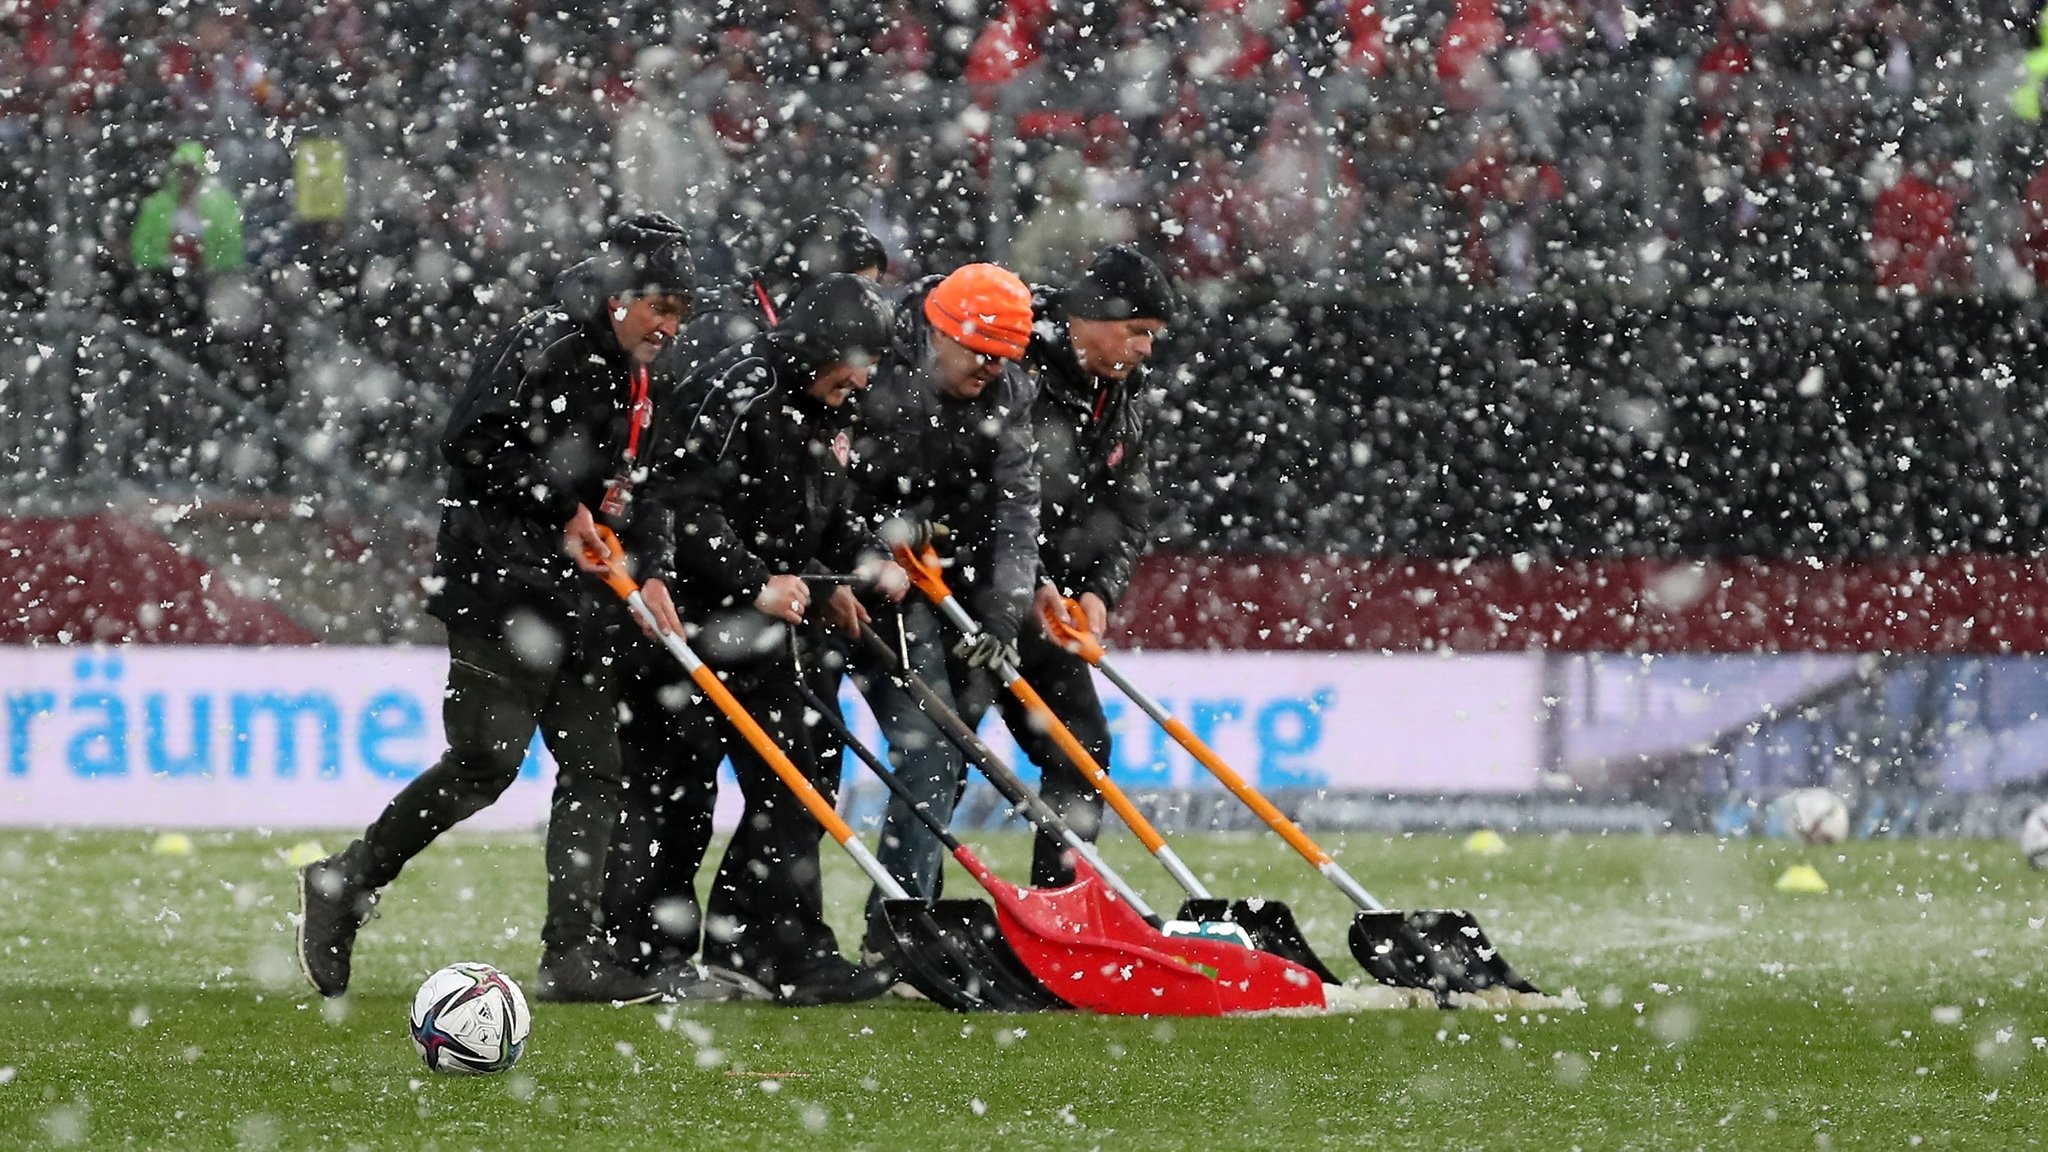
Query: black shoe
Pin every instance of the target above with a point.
(588, 976)
(703, 983)
(831, 979)
(332, 906)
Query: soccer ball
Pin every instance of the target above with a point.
(469, 1019)
(1816, 816)
(2034, 836)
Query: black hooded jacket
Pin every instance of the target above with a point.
(1094, 470)
(744, 306)
(971, 465)
(725, 315)
(757, 478)
(540, 427)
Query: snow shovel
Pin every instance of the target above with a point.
(1241, 979)
(951, 968)
(1269, 923)
(1010, 987)
(1442, 950)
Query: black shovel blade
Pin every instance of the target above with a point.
(1455, 937)
(1391, 952)
(1271, 926)
(1017, 989)
(952, 951)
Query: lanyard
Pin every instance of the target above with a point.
(639, 416)
(767, 305)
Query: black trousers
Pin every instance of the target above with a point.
(669, 748)
(494, 701)
(1062, 679)
(765, 909)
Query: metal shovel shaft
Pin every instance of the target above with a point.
(1125, 963)
(1442, 950)
(1040, 814)
(806, 793)
(1274, 818)
(1080, 758)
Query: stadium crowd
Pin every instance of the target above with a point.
(378, 183)
(1413, 143)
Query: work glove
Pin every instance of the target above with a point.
(915, 533)
(987, 650)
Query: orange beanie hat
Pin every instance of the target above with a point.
(984, 307)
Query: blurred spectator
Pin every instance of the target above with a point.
(1234, 39)
(1722, 70)
(1201, 214)
(1008, 44)
(1611, 26)
(740, 102)
(2031, 247)
(903, 50)
(187, 236)
(1362, 37)
(1880, 37)
(1068, 226)
(1505, 193)
(1913, 242)
(1292, 190)
(1465, 57)
(219, 72)
(879, 197)
(666, 155)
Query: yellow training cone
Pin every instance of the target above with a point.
(1485, 842)
(172, 844)
(304, 853)
(1801, 878)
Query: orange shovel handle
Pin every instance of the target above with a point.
(614, 560)
(923, 566)
(1068, 627)
(1078, 756)
(924, 573)
(708, 682)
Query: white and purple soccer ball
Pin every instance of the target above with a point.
(2034, 836)
(469, 1019)
(1816, 816)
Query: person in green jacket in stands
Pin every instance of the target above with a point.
(188, 234)
(192, 224)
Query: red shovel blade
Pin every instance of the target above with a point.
(1094, 951)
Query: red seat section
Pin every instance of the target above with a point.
(1959, 603)
(111, 578)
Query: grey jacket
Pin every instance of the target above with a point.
(971, 465)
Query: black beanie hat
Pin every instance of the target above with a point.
(836, 319)
(645, 255)
(1121, 285)
(835, 240)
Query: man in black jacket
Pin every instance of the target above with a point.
(547, 441)
(653, 687)
(758, 488)
(946, 438)
(740, 308)
(1088, 351)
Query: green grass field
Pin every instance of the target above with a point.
(151, 1001)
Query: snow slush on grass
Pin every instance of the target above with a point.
(151, 1000)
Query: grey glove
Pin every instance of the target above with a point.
(915, 534)
(930, 532)
(985, 650)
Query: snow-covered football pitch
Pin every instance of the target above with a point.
(149, 999)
